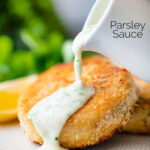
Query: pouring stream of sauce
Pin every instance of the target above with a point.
(51, 113)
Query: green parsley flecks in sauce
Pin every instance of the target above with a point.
(51, 113)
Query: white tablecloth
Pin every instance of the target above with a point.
(13, 138)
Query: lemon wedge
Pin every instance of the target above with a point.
(10, 92)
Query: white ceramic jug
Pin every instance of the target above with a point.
(109, 22)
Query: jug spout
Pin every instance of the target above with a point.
(120, 30)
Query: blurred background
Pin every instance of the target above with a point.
(36, 34)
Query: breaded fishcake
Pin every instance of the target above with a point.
(140, 118)
(108, 110)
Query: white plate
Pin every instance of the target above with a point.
(13, 138)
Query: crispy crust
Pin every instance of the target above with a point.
(108, 110)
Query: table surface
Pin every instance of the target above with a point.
(13, 138)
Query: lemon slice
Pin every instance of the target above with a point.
(10, 92)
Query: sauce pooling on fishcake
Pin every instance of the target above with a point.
(51, 113)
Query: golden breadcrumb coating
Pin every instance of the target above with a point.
(108, 110)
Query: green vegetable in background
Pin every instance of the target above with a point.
(6, 48)
(4, 72)
(22, 62)
(31, 38)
